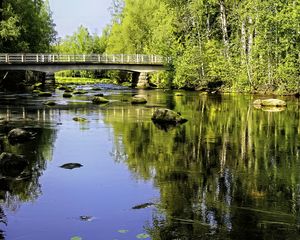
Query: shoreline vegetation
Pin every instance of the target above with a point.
(226, 46)
(266, 90)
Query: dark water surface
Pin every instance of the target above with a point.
(230, 172)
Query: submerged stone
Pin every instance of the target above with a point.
(100, 100)
(96, 89)
(44, 94)
(50, 103)
(69, 90)
(71, 165)
(269, 102)
(67, 95)
(164, 115)
(80, 92)
(86, 218)
(79, 119)
(138, 99)
(99, 95)
(273, 109)
(273, 102)
(19, 135)
(144, 205)
(12, 165)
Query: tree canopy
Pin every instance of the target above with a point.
(26, 26)
(242, 44)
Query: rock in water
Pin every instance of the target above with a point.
(167, 116)
(100, 100)
(71, 165)
(273, 102)
(67, 95)
(19, 135)
(79, 119)
(12, 165)
(269, 102)
(142, 206)
(138, 99)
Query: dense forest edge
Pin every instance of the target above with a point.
(228, 45)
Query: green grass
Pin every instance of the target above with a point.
(81, 81)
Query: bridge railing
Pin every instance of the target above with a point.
(82, 58)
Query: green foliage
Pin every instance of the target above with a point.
(26, 26)
(244, 44)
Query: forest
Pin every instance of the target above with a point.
(236, 46)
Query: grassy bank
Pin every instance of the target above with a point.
(82, 81)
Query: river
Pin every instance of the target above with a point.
(230, 172)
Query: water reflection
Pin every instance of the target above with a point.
(14, 191)
(230, 172)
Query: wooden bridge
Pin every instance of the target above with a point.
(139, 64)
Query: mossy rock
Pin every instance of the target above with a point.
(50, 103)
(12, 165)
(272, 109)
(269, 102)
(37, 86)
(96, 89)
(164, 115)
(138, 100)
(61, 87)
(79, 119)
(36, 91)
(67, 95)
(19, 135)
(69, 90)
(80, 92)
(100, 100)
(44, 94)
(273, 102)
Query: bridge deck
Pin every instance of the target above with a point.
(57, 59)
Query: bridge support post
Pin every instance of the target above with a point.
(49, 81)
(140, 80)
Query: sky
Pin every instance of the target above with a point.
(68, 15)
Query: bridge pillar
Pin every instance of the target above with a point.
(49, 81)
(140, 80)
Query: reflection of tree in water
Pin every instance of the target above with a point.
(231, 172)
(26, 187)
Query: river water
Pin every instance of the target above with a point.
(231, 172)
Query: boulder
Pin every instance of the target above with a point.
(80, 92)
(69, 90)
(79, 119)
(12, 165)
(163, 115)
(71, 166)
(67, 95)
(269, 102)
(100, 100)
(44, 94)
(19, 135)
(96, 89)
(138, 100)
(273, 102)
(50, 103)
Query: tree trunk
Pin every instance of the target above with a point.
(243, 42)
(224, 25)
(1, 10)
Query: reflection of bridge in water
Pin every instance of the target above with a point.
(139, 64)
(52, 115)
